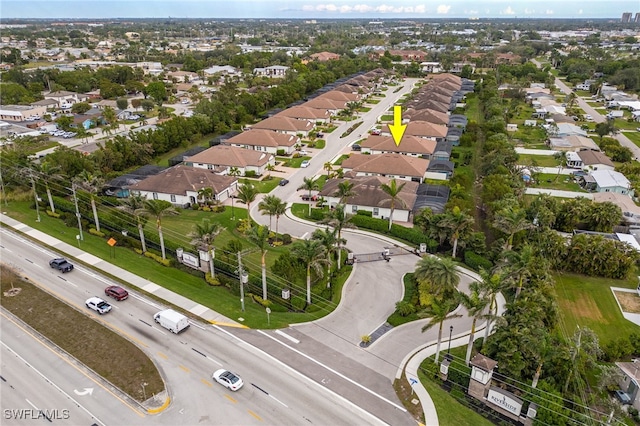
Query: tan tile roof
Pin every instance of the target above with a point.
(408, 145)
(324, 103)
(429, 115)
(621, 200)
(230, 156)
(179, 179)
(433, 96)
(429, 104)
(424, 129)
(305, 112)
(285, 124)
(589, 158)
(337, 95)
(387, 164)
(260, 137)
(324, 56)
(368, 192)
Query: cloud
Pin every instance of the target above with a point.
(528, 11)
(471, 12)
(443, 9)
(421, 8)
(508, 11)
(580, 12)
(549, 12)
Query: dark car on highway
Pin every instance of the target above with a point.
(61, 264)
(116, 292)
(283, 182)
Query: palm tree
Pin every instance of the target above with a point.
(510, 221)
(491, 285)
(234, 171)
(439, 276)
(393, 190)
(329, 240)
(338, 219)
(476, 303)
(344, 191)
(205, 194)
(135, 205)
(312, 253)
(268, 206)
(157, 209)
(328, 167)
(517, 266)
(460, 224)
(91, 184)
(49, 173)
(279, 208)
(309, 185)
(203, 235)
(561, 159)
(439, 312)
(259, 235)
(247, 194)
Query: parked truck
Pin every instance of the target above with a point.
(171, 320)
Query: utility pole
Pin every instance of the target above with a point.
(4, 195)
(243, 279)
(35, 196)
(75, 200)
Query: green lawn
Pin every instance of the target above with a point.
(195, 288)
(386, 117)
(341, 159)
(531, 137)
(473, 109)
(633, 137)
(263, 186)
(553, 181)
(588, 302)
(537, 160)
(292, 162)
(624, 124)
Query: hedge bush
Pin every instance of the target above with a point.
(159, 259)
(52, 214)
(476, 262)
(94, 231)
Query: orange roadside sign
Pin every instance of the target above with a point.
(111, 242)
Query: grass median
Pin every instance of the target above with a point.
(108, 354)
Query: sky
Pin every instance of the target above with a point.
(316, 9)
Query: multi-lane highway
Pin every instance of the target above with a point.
(273, 393)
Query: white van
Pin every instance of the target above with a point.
(172, 320)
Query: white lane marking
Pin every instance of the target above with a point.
(159, 331)
(197, 325)
(9, 250)
(293, 370)
(147, 301)
(278, 400)
(337, 373)
(283, 334)
(304, 236)
(32, 404)
(53, 384)
(213, 360)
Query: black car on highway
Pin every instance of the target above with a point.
(61, 264)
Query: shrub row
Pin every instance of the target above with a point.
(476, 262)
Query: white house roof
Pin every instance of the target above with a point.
(572, 156)
(632, 105)
(629, 239)
(610, 178)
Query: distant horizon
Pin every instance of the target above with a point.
(315, 9)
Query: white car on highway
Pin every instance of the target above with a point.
(228, 379)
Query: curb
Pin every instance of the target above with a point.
(161, 408)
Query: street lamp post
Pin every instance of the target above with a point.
(75, 200)
(449, 348)
(144, 391)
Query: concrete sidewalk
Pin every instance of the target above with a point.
(98, 264)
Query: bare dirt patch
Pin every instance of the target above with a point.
(630, 302)
(584, 307)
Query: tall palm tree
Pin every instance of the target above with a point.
(279, 208)
(459, 224)
(309, 185)
(338, 219)
(517, 265)
(439, 313)
(268, 206)
(134, 205)
(439, 275)
(491, 284)
(329, 240)
(476, 303)
(328, 167)
(91, 184)
(311, 253)
(49, 173)
(510, 221)
(259, 235)
(203, 235)
(247, 194)
(344, 191)
(393, 190)
(158, 209)
(561, 159)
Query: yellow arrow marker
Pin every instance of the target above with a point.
(397, 128)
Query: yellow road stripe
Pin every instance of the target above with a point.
(228, 324)
(159, 409)
(206, 382)
(160, 354)
(185, 369)
(254, 415)
(230, 398)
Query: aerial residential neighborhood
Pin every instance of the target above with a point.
(342, 215)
